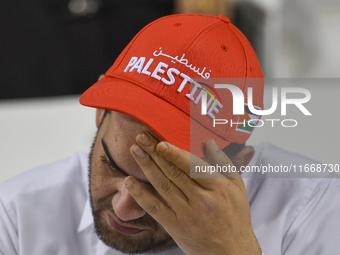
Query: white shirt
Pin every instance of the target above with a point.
(47, 211)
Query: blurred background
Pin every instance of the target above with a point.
(51, 51)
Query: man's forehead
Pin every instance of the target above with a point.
(119, 135)
(127, 118)
(130, 125)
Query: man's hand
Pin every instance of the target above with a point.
(203, 215)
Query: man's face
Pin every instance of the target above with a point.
(119, 221)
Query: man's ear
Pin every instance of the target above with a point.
(100, 112)
(243, 157)
(99, 116)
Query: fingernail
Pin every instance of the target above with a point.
(128, 182)
(162, 147)
(139, 152)
(215, 146)
(144, 139)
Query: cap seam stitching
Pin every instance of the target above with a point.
(135, 38)
(206, 27)
(232, 28)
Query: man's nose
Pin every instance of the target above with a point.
(125, 207)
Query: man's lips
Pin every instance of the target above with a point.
(123, 229)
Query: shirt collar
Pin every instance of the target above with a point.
(87, 218)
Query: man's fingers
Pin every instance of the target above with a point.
(175, 174)
(162, 184)
(201, 172)
(174, 161)
(150, 204)
(217, 157)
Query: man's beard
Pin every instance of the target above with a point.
(154, 240)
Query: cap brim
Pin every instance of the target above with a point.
(166, 120)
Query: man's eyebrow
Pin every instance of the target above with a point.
(114, 164)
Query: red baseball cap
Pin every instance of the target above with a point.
(166, 70)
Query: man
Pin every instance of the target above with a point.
(151, 138)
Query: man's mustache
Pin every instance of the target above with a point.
(104, 204)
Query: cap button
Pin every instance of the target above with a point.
(224, 19)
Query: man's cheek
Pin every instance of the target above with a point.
(102, 184)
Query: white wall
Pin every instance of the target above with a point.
(301, 38)
(39, 131)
